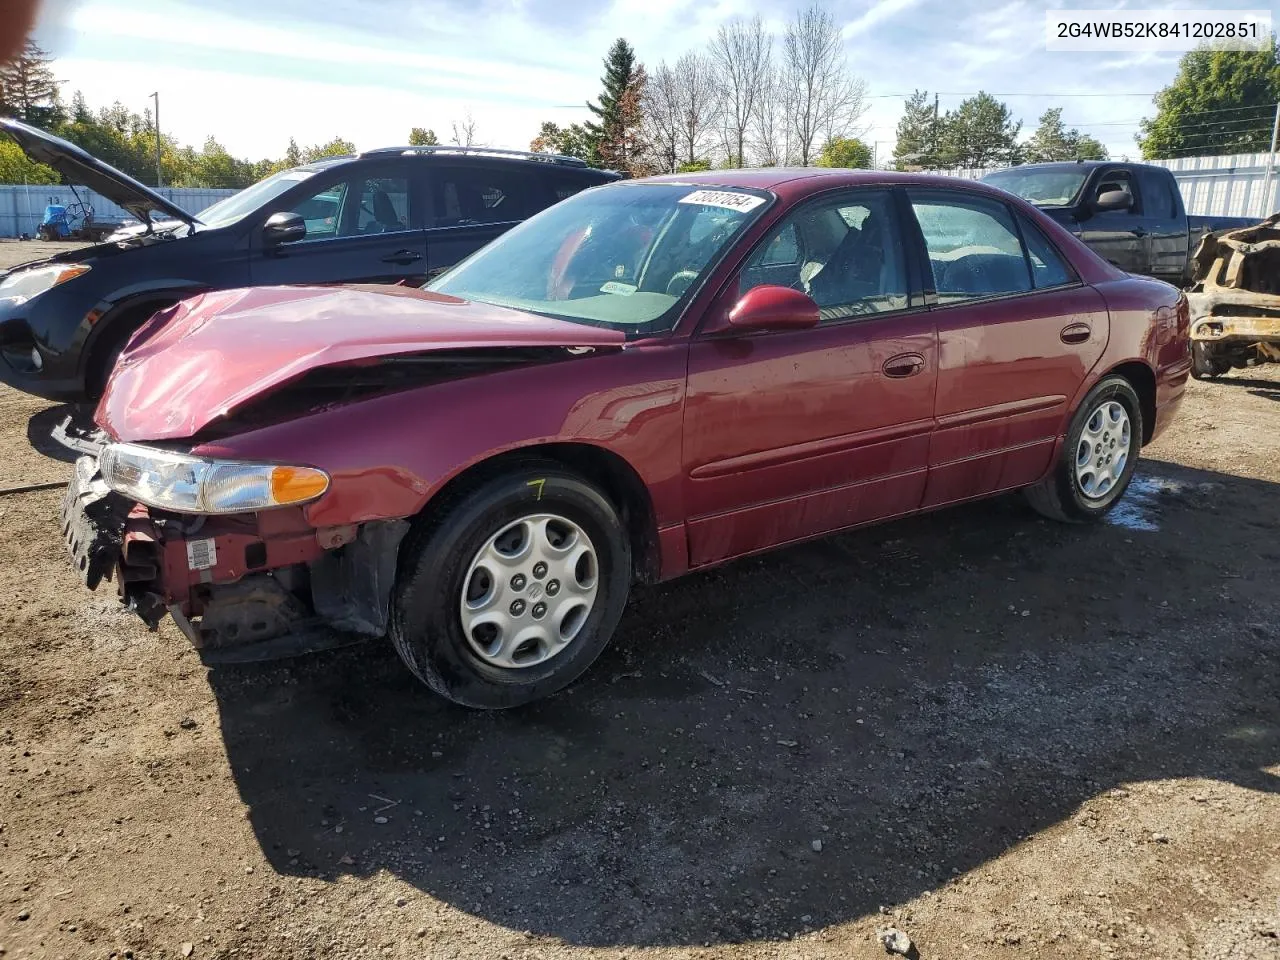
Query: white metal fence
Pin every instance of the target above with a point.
(1235, 185)
(22, 207)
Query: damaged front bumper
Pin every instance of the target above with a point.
(265, 580)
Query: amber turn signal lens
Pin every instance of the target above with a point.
(297, 484)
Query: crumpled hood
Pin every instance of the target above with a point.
(197, 361)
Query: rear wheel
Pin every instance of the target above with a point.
(1098, 458)
(514, 591)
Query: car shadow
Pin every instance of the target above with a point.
(40, 431)
(794, 740)
(1247, 382)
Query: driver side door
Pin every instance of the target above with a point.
(794, 434)
(362, 228)
(1118, 235)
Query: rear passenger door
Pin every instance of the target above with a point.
(365, 227)
(1017, 334)
(472, 204)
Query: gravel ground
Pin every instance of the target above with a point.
(994, 734)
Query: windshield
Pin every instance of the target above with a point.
(230, 209)
(1051, 188)
(622, 256)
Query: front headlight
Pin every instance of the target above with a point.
(187, 484)
(25, 284)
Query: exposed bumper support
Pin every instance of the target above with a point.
(247, 587)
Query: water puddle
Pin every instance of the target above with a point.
(1139, 508)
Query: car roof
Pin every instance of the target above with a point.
(486, 154)
(793, 182)
(1067, 165)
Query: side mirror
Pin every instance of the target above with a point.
(1113, 200)
(773, 308)
(283, 227)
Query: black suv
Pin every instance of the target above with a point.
(397, 214)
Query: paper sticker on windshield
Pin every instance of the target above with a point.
(622, 289)
(742, 202)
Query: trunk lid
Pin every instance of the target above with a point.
(80, 167)
(196, 362)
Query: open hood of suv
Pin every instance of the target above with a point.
(198, 361)
(82, 168)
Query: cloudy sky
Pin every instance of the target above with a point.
(255, 72)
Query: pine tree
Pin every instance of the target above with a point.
(916, 133)
(28, 89)
(619, 76)
(1052, 141)
(979, 133)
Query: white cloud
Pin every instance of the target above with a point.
(880, 11)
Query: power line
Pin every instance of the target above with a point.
(1265, 112)
(974, 93)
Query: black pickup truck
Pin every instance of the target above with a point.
(1130, 213)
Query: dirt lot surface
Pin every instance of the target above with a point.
(998, 735)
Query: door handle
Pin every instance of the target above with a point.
(403, 257)
(1075, 333)
(903, 365)
(1139, 232)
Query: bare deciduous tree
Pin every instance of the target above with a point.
(698, 103)
(770, 126)
(464, 131)
(740, 54)
(662, 119)
(827, 99)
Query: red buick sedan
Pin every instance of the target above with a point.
(649, 378)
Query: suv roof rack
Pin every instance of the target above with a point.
(556, 158)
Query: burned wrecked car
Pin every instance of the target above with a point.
(1234, 299)
(649, 378)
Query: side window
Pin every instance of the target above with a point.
(845, 252)
(1048, 269)
(1157, 193)
(973, 246)
(384, 207)
(783, 248)
(478, 195)
(322, 212)
(1116, 180)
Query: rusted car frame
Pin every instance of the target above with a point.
(1234, 299)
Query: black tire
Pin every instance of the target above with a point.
(1059, 496)
(425, 624)
(1204, 364)
(102, 359)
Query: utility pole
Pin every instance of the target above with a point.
(934, 151)
(156, 96)
(1268, 203)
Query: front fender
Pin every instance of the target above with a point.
(388, 456)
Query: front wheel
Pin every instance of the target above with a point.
(512, 592)
(1098, 458)
(1204, 364)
